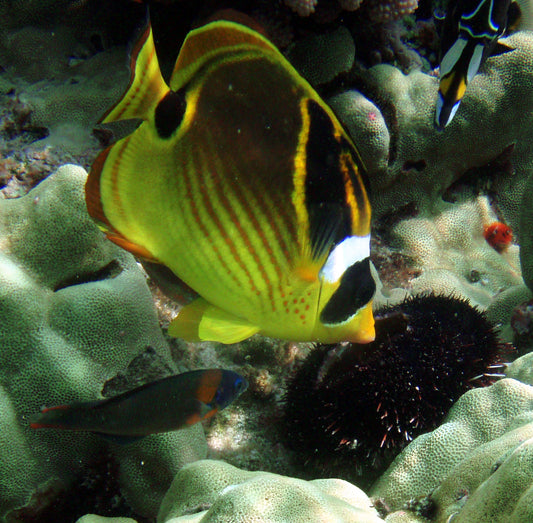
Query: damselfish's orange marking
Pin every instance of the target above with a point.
(208, 385)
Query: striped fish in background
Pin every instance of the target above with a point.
(243, 183)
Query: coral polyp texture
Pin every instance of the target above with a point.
(526, 230)
(424, 163)
(75, 311)
(307, 7)
(359, 400)
(449, 251)
(384, 11)
(209, 491)
(479, 435)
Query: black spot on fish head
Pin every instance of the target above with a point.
(169, 113)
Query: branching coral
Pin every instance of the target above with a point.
(385, 11)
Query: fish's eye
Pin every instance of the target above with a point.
(240, 385)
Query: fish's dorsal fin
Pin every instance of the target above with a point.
(201, 321)
(146, 87)
(202, 45)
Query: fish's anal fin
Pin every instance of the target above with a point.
(136, 250)
(201, 321)
(146, 87)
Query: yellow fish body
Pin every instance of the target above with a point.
(240, 180)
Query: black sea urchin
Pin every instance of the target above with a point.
(361, 400)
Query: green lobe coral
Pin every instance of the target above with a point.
(237, 496)
(75, 311)
(482, 431)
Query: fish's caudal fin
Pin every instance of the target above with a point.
(146, 87)
(60, 417)
(201, 321)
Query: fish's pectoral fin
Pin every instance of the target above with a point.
(201, 321)
(146, 87)
(118, 438)
(198, 411)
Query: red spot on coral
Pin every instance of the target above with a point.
(498, 235)
(372, 116)
(296, 311)
(285, 303)
(295, 301)
(302, 300)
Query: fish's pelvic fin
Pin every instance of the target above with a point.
(514, 17)
(201, 321)
(146, 87)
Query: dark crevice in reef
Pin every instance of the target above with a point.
(480, 180)
(111, 270)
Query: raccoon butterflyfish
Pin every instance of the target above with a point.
(241, 180)
(161, 406)
(469, 36)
